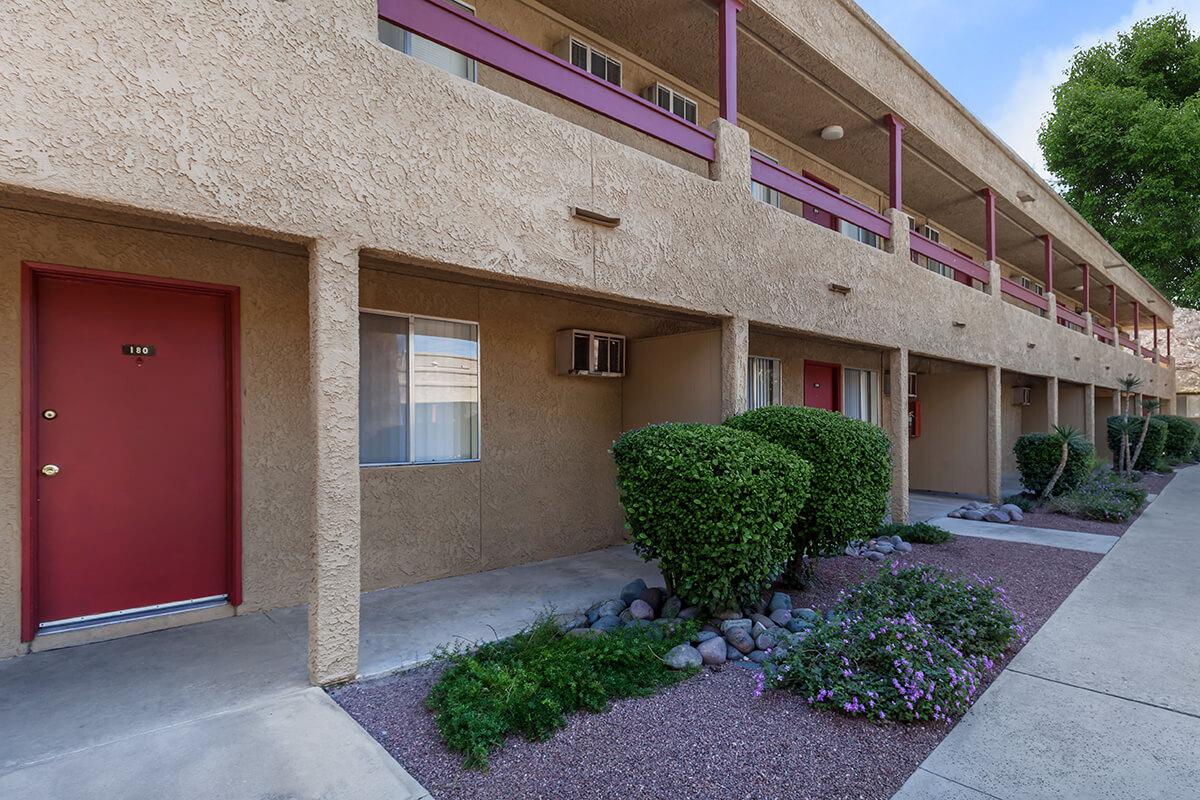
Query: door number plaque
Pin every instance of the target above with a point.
(137, 349)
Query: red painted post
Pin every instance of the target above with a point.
(989, 221)
(1087, 287)
(1048, 240)
(727, 57)
(895, 161)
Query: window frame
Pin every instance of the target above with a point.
(592, 53)
(406, 44)
(772, 197)
(412, 407)
(672, 96)
(777, 383)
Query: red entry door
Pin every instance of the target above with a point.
(821, 388)
(132, 404)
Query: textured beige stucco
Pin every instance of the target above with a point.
(951, 453)
(274, 352)
(897, 430)
(673, 378)
(1072, 406)
(995, 433)
(735, 351)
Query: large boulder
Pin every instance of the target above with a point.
(683, 656)
(713, 652)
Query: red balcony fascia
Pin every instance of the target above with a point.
(808, 191)
(1103, 334)
(1019, 292)
(1066, 315)
(465, 34)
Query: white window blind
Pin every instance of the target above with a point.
(429, 52)
(860, 395)
(763, 382)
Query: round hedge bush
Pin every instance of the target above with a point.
(714, 505)
(851, 478)
(1152, 450)
(1181, 436)
(1038, 455)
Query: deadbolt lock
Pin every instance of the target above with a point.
(49, 413)
(50, 470)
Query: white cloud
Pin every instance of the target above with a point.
(1031, 97)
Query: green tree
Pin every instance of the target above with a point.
(1124, 142)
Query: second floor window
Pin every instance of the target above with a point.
(761, 193)
(429, 52)
(600, 64)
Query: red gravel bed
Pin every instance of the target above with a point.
(1152, 482)
(708, 737)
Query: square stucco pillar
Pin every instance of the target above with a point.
(1116, 403)
(1051, 403)
(732, 164)
(995, 433)
(735, 356)
(898, 245)
(994, 279)
(1089, 412)
(333, 597)
(898, 431)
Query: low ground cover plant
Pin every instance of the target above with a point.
(907, 645)
(852, 469)
(917, 533)
(1104, 496)
(1039, 457)
(713, 504)
(528, 684)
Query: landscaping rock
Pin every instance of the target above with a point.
(691, 612)
(707, 636)
(653, 597)
(852, 550)
(955, 514)
(798, 625)
(740, 638)
(1013, 511)
(584, 632)
(780, 600)
(580, 621)
(671, 608)
(780, 653)
(781, 616)
(632, 591)
(759, 656)
(747, 664)
(996, 515)
(609, 608)
(759, 619)
(729, 613)
(806, 614)
(904, 547)
(712, 628)
(758, 629)
(765, 640)
(896, 541)
(607, 623)
(731, 652)
(731, 624)
(873, 555)
(683, 656)
(973, 515)
(883, 547)
(625, 616)
(714, 652)
(640, 609)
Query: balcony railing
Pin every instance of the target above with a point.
(1147, 352)
(1067, 315)
(944, 255)
(1019, 292)
(1128, 343)
(814, 194)
(1103, 334)
(470, 36)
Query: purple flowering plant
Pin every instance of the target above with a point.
(908, 645)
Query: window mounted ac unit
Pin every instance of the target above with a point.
(592, 353)
(1022, 395)
(887, 383)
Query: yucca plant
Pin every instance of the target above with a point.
(1128, 386)
(1149, 406)
(1065, 437)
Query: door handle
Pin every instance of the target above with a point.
(50, 470)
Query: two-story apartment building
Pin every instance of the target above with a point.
(306, 298)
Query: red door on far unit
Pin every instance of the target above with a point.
(821, 388)
(132, 447)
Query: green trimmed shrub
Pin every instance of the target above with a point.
(1194, 456)
(1104, 496)
(527, 684)
(852, 472)
(1181, 436)
(714, 505)
(1156, 442)
(917, 532)
(1038, 455)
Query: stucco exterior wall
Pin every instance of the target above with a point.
(673, 378)
(274, 353)
(1071, 406)
(544, 485)
(950, 455)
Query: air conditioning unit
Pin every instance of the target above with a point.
(600, 355)
(1022, 395)
(887, 383)
(930, 233)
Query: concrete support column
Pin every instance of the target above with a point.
(735, 357)
(995, 433)
(897, 428)
(1116, 403)
(994, 286)
(333, 597)
(1088, 325)
(898, 245)
(732, 164)
(1089, 412)
(1051, 307)
(1051, 403)
(1116, 337)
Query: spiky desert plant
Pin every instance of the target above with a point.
(1149, 406)
(1128, 386)
(1065, 437)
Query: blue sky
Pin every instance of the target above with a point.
(1002, 58)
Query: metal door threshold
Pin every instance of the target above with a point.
(129, 614)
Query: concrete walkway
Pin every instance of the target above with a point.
(1104, 702)
(223, 708)
(1067, 540)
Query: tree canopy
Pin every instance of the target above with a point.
(1124, 142)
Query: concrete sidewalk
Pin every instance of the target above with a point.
(1104, 701)
(223, 709)
(1067, 540)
